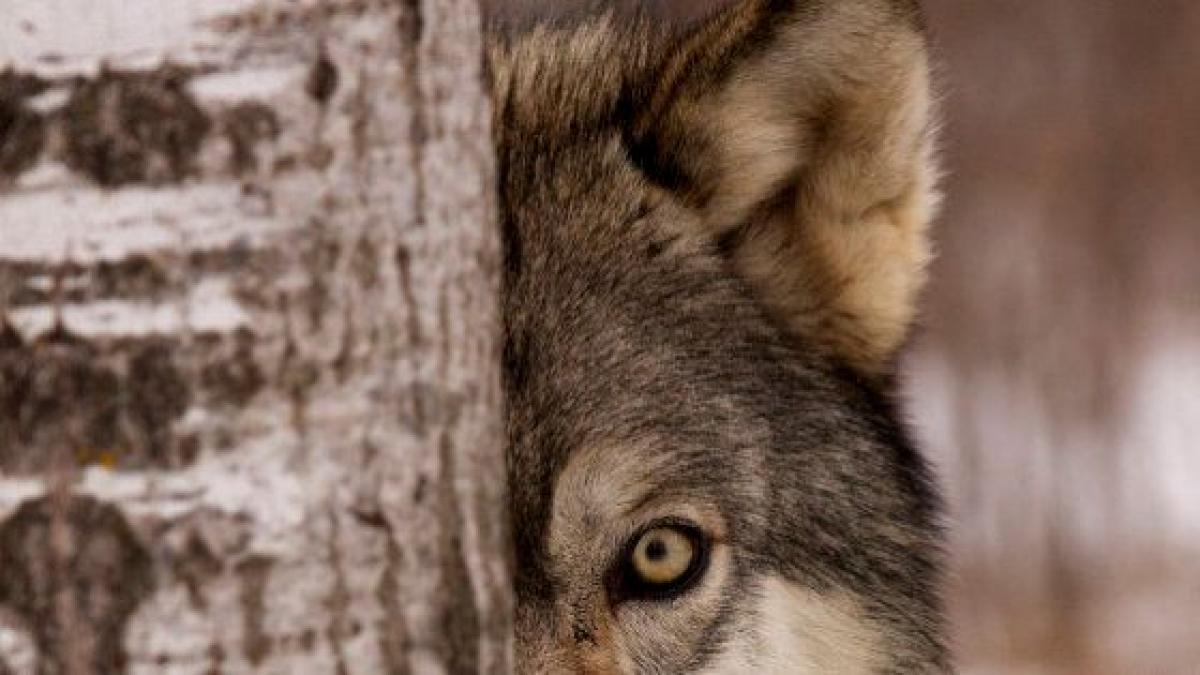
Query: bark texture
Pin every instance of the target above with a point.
(249, 386)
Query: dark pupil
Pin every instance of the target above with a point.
(656, 550)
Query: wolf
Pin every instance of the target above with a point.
(714, 241)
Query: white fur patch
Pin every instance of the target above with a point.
(799, 631)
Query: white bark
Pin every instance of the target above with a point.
(249, 386)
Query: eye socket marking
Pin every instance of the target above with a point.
(662, 561)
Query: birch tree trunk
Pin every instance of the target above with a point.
(249, 400)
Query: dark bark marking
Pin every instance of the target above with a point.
(216, 658)
(265, 22)
(445, 335)
(132, 127)
(338, 601)
(419, 423)
(319, 254)
(359, 111)
(412, 22)
(460, 619)
(245, 125)
(297, 376)
(411, 27)
(319, 155)
(158, 394)
(150, 277)
(412, 307)
(254, 573)
(22, 130)
(113, 404)
(496, 624)
(364, 263)
(136, 276)
(236, 379)
(422, 488)
(322, 80)
(195, 565)
(10, 339)
(343, 363)
(22, 85)
(392, 629)
(106, 572)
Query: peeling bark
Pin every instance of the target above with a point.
(249, 387)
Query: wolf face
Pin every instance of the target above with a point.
(713, 244)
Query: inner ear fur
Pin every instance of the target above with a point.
(801, 131)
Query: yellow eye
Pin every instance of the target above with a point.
(664, 556)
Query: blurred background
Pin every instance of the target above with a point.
(1056, 379)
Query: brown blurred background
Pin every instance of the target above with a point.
(1056, 381)
(1058, 378)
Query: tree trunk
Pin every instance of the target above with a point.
(249, 383)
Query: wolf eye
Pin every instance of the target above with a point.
(664, 561)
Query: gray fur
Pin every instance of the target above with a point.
(628, 325)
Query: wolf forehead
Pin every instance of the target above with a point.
(614, 317)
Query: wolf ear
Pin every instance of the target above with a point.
(800, 130)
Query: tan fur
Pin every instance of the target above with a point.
(837, 113)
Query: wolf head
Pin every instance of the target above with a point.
(713, 244)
